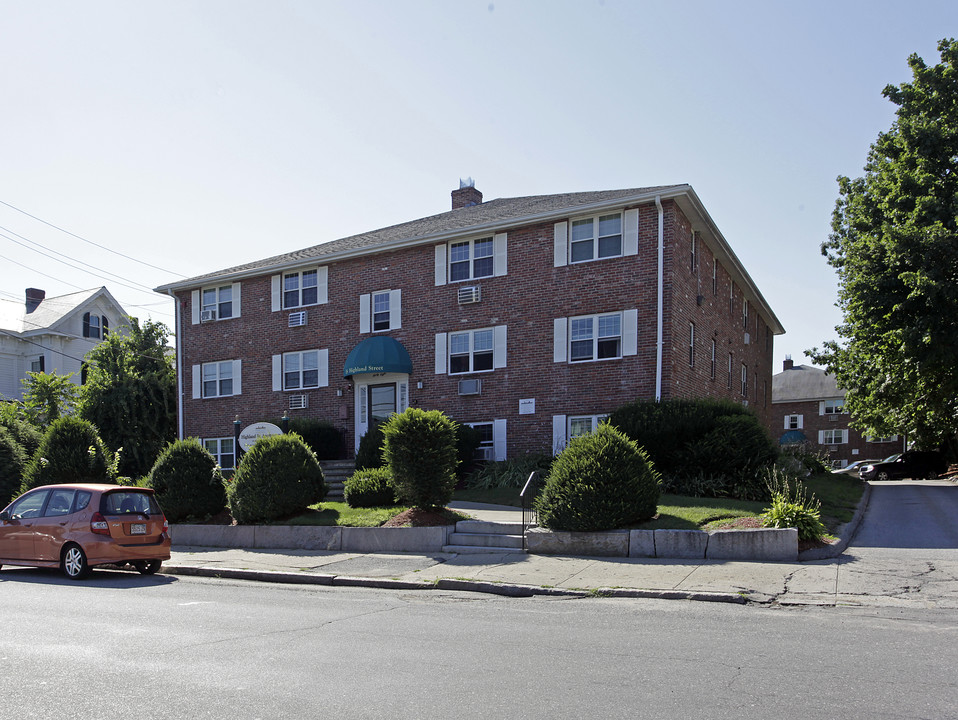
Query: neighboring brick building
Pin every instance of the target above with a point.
(531, 318)
(808, 406)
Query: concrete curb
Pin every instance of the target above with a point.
(845, 533)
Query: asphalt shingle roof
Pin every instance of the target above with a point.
(804, 382)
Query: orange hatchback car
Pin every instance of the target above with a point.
(76, 527)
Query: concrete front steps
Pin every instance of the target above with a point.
(336, 472)
(477, 536)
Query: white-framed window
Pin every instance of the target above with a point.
(223, 450)
(301, 370)
(486, 449)
(715, 277)
(595, 238)
(890, 438)
(95, 326)
(584, 424)
(691, 344)
(471, 259)
(217, 379)
(832, 437)
(694, 259)
(712, 363)
(832, 406)
(380, 302)
(595, 337)
(794, 422)
(730, 371)
(218, 300)
(300, 288)
(37, 364)
(744, 314)
(471, 351)
(380, 311)
(744, 380)
(731, 298)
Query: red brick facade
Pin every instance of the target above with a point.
(534, 293)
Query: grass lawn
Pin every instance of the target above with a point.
(339, 513)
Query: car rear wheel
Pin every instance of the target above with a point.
(74, 563)
(147, 567)
(882, 476)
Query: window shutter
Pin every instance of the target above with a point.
(440, 353)
(402, 402)
(322, 285)
(195, 303)
(560, 328)
(106, 326)
(630, 332)
(499, 347)
(237, 377)
(499, 250)
(786, 421)
(237, 304)
(561, 244)
(558, 434)
(197, 382)
(499, 439)
(86, 324)
(323, 368)
(801, 424)
(364, 313)
(630, 242)
(821, 408)
(441, 264)
(277, 373)
(43, 364)
(821, 437)
(276, 292)
(395, 309)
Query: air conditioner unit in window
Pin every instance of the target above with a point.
(833, 418)
(747, 338)
(207, 315)
(297, 318)
(469, 387)
(469, 294)
(485, 453)
(298, 402)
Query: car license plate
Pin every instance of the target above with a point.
(138, 529)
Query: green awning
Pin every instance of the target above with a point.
(378, 354)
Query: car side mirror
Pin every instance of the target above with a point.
(4, 515)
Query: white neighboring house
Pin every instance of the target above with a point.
(52, 334)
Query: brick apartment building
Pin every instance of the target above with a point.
(530, 318)
(808, 407)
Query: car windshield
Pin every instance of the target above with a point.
(121, 503)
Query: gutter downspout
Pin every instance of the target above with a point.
(659, 309)
(177, 322)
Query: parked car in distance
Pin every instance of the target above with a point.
(78, 526)
(853, 468)
(919, 464)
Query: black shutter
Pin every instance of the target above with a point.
(42, 364)
(106, 326)
(86, 325)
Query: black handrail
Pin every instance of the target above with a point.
(528, 495)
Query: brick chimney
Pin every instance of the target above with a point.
(34, 298)
(466, 195)
(788, 365)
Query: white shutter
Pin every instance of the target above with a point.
(821, 437)
(276, 294)
(237, 304)
(402, 403)
(323, 368)
(821, 408)
(322, 285)
(786, 421)
(441, 264)
(196, 307)
(499, 439)
(499, 347)
(277, 373)
(560, 327)
(558, 434)
(197, 382)
(630, 332)
(364, 313)
(561, 244)
(395, 309)
(237, 377)
(630, 242)
(499, 251)
(440, 353)
(801, 424)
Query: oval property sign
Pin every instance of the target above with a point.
(254, 432)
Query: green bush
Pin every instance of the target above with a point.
(512, 473)
(187, 481)
(371, 487)
(420, 450)
(25, 434)
(600, 481)
(70, 452)
(12, 461)
(279, 476)
(791, 507)
(370, 451)
(322, 437)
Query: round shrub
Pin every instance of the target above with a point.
(420, 450)
(279, 476)
(322, 437)
(187, 481)
(370, 451)
(601, 481)
(25, 434)
(12, 461)
(70, 452)
(371, 487)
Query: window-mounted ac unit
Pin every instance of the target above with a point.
(485, 453)
(748, 338)
(469, 294)
(298, 402)
(469, 387)
(207, 315)
(297, 318)
(833, 418)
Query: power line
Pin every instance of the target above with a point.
(3, 257)
(90, 242)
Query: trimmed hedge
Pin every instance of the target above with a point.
(420, 450)
(370, 487)
(601, 481)
(12, 461)
(370, 451)
(322, 437)
(279, 476)
(25, 434)
(70, 452)
(187, 481)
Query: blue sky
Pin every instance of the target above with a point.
(192, 136)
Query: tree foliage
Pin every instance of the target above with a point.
(894, 245)
(48, 397)
(130, 394)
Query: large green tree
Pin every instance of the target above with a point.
(894, 244)
(130, 394)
